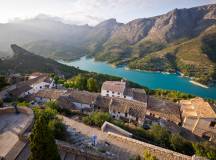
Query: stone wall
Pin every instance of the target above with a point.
(24, 110)
(17, 148)
(160, 153)
(79, 153)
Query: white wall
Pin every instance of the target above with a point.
(115, 94)
(81, 106)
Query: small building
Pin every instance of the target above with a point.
(20, 90)
(114, 89)
(119, 89)
(164, 110)
(81, 99)
(102, 103)
(41, 82)
(32, 86)
(47, 95)
(199, 117)
(132, 111)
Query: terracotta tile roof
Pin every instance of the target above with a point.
(114, 86)
(133, 108)
(136, 93)
(83, 97)
(50, 93)
(164, 109)
(197, 107)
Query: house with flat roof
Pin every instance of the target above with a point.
(199, 116)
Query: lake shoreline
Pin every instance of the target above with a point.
(198, 84)
(151, 79)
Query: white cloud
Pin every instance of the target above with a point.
(92, 11)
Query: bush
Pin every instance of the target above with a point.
(148, 156)
(58, 129)
(179, 144)
(23, 104)
(160, 136)
(97, 118)
(52, 105)
(205, 149)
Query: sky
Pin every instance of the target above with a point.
(92, 11)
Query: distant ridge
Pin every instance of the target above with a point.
(24, 61)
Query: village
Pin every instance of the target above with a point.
(128, 110)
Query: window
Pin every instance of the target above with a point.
(124, 96)
(40, 87)
(118, 93)
(126, 114)
(107, 94)
(112, 92)
(212, 124)
(107, 91)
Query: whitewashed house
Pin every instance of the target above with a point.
(81, 99)
(114, 89)
(47, 95)
(133, 111)
(33, 85)
(119, 89)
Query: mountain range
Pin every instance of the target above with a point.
(182, 40)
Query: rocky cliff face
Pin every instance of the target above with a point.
(177, 24)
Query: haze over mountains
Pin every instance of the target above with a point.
(180, 40)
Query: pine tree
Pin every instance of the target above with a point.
(42, 142)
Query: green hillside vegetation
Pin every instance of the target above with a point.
(194, 58)
(56, 50)
(26, 62)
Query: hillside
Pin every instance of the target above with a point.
(194, 58)
(144, 35)
(24, 61)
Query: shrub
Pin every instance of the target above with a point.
(179, 144)
(58, 129)
(23, 104)
(160, 136)
(205, 149)
(148, 156)
(97, 118)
